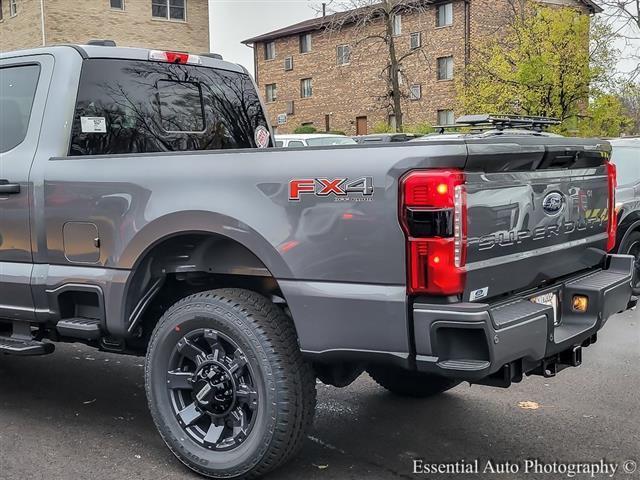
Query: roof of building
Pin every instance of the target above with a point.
(321, 22)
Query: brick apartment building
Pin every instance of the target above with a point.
(311, 75)
(164, 24)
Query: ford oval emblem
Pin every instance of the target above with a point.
(553, 203)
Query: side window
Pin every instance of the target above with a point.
(295, 143)
(17, 92)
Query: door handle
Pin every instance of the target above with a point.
(7, 188)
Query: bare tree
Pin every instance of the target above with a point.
(630, 97)
(624, 17)
(370, 26)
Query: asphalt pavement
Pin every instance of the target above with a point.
(81, 414)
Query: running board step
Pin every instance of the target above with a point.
(24, 347)
(83, 328)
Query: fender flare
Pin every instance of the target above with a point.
(635, 226)
(180, 223)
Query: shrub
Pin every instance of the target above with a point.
(382, 127)
(305, 129)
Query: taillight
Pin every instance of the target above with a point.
(433, 215)
(612, 229)
(174, 57)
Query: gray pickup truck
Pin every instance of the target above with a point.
(144, 211)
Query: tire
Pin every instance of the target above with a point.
(227, 386)
(631, 246)
(411, 384)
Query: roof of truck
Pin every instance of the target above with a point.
(123, 53)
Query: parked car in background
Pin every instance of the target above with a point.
(626, 157)
(312, 140)
(386, 137)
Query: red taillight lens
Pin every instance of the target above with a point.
(613, 216)
(431, 189)
(435, 262)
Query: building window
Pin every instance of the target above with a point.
(343, 54)
(446, 117)
(445, 68)
(415, 92)
(13, 8)
(306, 88)
(271, 92)
(270, 50)
(444, 15)
(288, 64)
(169, 9)
(397, 25)
(416, 40)
(305, 43)
(117, 4)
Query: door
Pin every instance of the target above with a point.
(361, 126)
(20, 119)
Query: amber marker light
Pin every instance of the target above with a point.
(580, 303)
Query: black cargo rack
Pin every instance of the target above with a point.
(481, 123)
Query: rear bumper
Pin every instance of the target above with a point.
(499, 343)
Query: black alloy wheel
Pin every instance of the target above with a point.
(227, 385)
(212, 389)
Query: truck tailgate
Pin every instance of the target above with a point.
(535, 216)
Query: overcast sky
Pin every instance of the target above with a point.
(235, 20)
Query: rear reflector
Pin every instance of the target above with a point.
(174, 57)
(436, 253)
(612, 229)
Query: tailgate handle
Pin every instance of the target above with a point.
(9, 188)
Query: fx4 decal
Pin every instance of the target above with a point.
(323, 187)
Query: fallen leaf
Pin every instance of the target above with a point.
(529, 405)
(321, 467)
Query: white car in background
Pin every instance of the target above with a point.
(312, 140)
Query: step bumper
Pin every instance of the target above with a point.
(474, 341)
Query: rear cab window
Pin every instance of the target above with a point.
(138, 106)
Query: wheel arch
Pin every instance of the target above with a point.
(194, 252)
(628, 225)
(178, 223)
